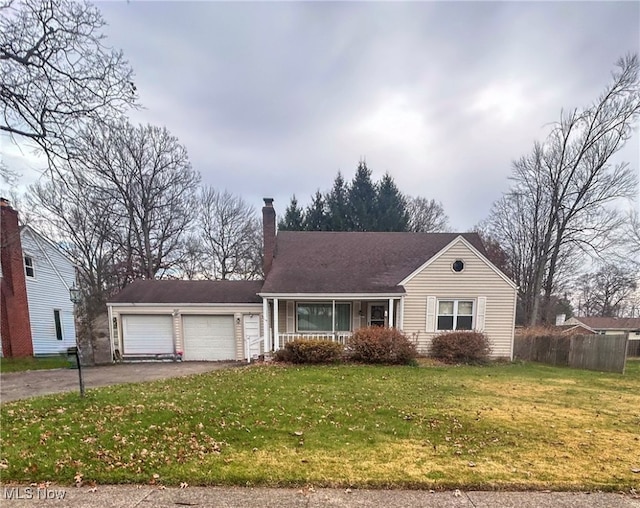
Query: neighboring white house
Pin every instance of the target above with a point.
(49, 275)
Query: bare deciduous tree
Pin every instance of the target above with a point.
(231, 237)
(56, 72)
(633, 233)
(607, 291)
(563, 194)
(426, 215)
(143, 173)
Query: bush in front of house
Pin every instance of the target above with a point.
(461, 347)
(381, 345)
(310, 351)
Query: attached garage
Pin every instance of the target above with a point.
(209, 338)
(147, 335)
(193, 320)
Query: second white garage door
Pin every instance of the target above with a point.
(208, 338)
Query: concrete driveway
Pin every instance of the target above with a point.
(22, 385)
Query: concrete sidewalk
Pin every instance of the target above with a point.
(122, 496)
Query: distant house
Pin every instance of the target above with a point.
(325, 285)
(610, 325)
(37, 314)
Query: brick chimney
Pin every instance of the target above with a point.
(15, 326)
(268, 234)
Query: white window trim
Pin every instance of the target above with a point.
(474, 306)
(324, 303)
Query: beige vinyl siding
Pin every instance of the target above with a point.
(177, 311)
(477, 280)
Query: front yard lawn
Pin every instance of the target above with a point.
(503, 426)
(32, 363)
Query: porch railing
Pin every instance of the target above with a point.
(249, 347)
(339, 337)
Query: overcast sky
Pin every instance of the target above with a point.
(273, 99)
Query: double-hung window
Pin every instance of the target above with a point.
(455, 315)
(29, 267)
(318, 317)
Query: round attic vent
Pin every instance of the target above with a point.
(458, 265)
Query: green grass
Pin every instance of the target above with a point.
(31, 363)
(522, 426)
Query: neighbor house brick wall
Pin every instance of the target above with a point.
(15, 325)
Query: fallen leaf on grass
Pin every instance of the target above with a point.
(635, 469)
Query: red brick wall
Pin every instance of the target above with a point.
(16, 327)
(268, 234)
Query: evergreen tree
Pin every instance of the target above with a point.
(315, 217)
(293, 219)
(336, 204)
(362, 201)
(391, 207)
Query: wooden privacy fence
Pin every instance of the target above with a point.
(633, 348)
(607, 353)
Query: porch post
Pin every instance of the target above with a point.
(391, 323)
(276, 332)
(265, 324)
(401, 316)
(333, 319)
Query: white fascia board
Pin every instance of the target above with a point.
(29, 229)
(174, 305)
(333, 296)
(453, 242)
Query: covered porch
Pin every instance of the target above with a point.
(326, 317)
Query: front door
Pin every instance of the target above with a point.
(377, 313)
(252, 331)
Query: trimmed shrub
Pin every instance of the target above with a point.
(382, 345)
(310, 351)
(461, 347)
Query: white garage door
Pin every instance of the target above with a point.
(147, 335)
(209, 338)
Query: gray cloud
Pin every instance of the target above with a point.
(275, 98)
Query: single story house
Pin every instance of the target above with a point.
(327, 285)
(610, 325)
(35, 276)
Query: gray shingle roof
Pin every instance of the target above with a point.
(352, 262)
(189, 291)
(610, 323)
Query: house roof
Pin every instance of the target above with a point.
(190, 291)
(571, 329)
(610, 323)
(352, 262)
